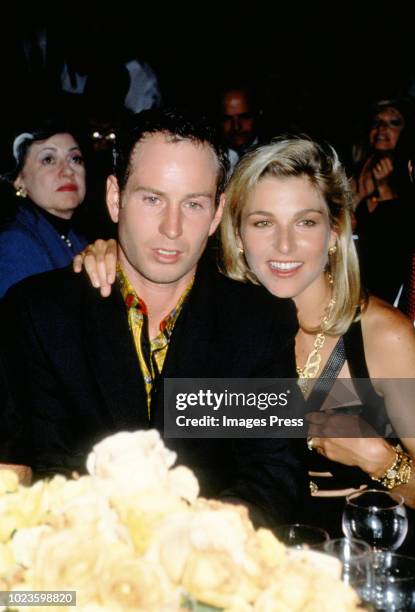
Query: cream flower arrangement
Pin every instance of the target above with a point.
(134, 535)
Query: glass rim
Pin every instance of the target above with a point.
(364, 551)
(397, 497)
(313, 528)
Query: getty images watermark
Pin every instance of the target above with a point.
(254, 408)
(223, 408)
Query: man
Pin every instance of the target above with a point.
(239, 120)
(94, 366)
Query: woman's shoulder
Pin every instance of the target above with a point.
(19, 231)
(389, 338)
(380, 317)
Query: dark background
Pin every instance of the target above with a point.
(316, 65)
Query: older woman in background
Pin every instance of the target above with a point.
(49, 183)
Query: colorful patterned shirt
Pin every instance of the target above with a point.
(151, 353)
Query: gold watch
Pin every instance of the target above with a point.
(399, 472)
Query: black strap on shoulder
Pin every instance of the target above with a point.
(355, 351)
(328, 376)
(375, 412)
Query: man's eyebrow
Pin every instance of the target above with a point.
(197, 194)
(149, 189)
(201, 194)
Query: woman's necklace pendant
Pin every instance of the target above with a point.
(313, 364)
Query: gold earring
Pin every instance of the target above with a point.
(240, 251)
(21, 192)
(333, 249)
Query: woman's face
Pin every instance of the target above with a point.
(386, 129)
(285, 233)
(54, 175)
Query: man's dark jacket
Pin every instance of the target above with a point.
(76, 376)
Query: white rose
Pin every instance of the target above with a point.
(25, 543)
(132, 461)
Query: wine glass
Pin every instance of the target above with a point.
(377, 517)
(356, 559)
(300, 536)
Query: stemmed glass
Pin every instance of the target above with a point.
(377, 517)
(355, 557)
(301, 536)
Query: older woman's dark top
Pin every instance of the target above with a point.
(35, 242)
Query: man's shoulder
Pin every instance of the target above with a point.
(56, 287)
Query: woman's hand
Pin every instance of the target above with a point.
(383, 169)
(374, 179)
(361, 448)
(100, 263)
(365, 185)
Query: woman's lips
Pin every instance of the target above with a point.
(68, 187)
(284, 269)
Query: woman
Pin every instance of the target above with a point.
(287, 225)
(383, 198)
(49, 182)
(377, 177)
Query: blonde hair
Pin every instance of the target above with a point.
(299, 157)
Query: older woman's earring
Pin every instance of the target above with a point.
(333, 249)
(240, 251)
(21, 192)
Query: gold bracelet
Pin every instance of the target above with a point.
(399, 472)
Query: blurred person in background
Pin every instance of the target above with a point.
(239, 119)
(383, 199)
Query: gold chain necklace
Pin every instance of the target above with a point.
(313, 362)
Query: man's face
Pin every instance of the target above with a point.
(167, 210)
(238, 122)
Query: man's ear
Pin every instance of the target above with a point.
(113, 198)
(218, 214)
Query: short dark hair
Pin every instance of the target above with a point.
(180, 125)
(39, 130)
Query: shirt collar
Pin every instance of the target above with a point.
(132, 300)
